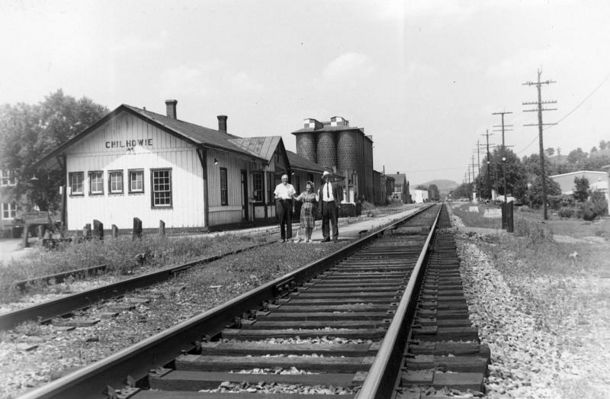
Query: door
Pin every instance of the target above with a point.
(244, 195)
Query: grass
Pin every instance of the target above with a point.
(570, 227)
(478, 218)
(122, 255)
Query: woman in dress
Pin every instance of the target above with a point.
(308, 197)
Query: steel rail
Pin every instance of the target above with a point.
(382, 375)
(137, 360)
(57, 307)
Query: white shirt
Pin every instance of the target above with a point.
(327, 192)
(284, 191)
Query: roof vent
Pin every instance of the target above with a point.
(338, 121)
(310, 123)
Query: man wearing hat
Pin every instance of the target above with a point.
(284, 192)
(329, 196)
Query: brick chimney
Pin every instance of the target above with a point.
(222, 123)
(170, 107)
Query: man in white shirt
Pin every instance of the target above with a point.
(284, 192)
(329, 196)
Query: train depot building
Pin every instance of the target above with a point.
(138, 163)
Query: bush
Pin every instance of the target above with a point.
(600, 204)
(589, 211)
(536, 233)
(566, 212)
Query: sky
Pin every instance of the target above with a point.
(423, 77)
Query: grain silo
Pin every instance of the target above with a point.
(327, 149)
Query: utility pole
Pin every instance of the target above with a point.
(504, 128)
(479, 156)
(474, 185)
(539, 109)
(488, 175)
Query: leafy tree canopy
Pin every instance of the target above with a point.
(27, 132)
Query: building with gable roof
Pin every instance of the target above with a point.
(138, 163)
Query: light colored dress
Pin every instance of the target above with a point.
(307, 209)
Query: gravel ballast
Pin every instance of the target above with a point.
(537, 352)
(34, 354)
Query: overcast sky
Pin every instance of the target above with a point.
(421, 76)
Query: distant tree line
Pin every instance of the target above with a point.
(524, 182)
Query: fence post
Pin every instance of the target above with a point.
(40, 231)
(510, 226)
(115, 231)
(87, 231)
(98, 229)
(161, 228)
(26, 229)
(137, 229)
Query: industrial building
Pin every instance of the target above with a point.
(344, 149)
(598, 181)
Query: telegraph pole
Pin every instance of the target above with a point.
(504, 128)
(474, 184)
(539, 108)
(488, 176)
(479, 156)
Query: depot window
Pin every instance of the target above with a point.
(136, 181)
(96, 182)
(115, 182)
(161, 188)
(76, 180)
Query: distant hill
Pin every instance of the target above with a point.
(443, 185)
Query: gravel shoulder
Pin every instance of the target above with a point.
(549, 334)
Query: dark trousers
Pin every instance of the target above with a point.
(283, 210)
(329, 214)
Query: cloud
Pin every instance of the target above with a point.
(183, 79)
(348, 66)
(241, 81)
(133, 43)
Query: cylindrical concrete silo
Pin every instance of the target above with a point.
(306, 146)
(347, 147)
(327, 149)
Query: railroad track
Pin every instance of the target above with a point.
(339, 325)
(70, 307)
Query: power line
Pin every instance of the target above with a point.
(569, 113)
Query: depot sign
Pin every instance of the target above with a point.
(129, 143)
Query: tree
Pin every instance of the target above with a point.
(577, 158)
(433, 193)
(464, 190)
(581, 189)
(534, 193)
(603, 145)
(550, 151)
(513, 169)
(27, 132)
